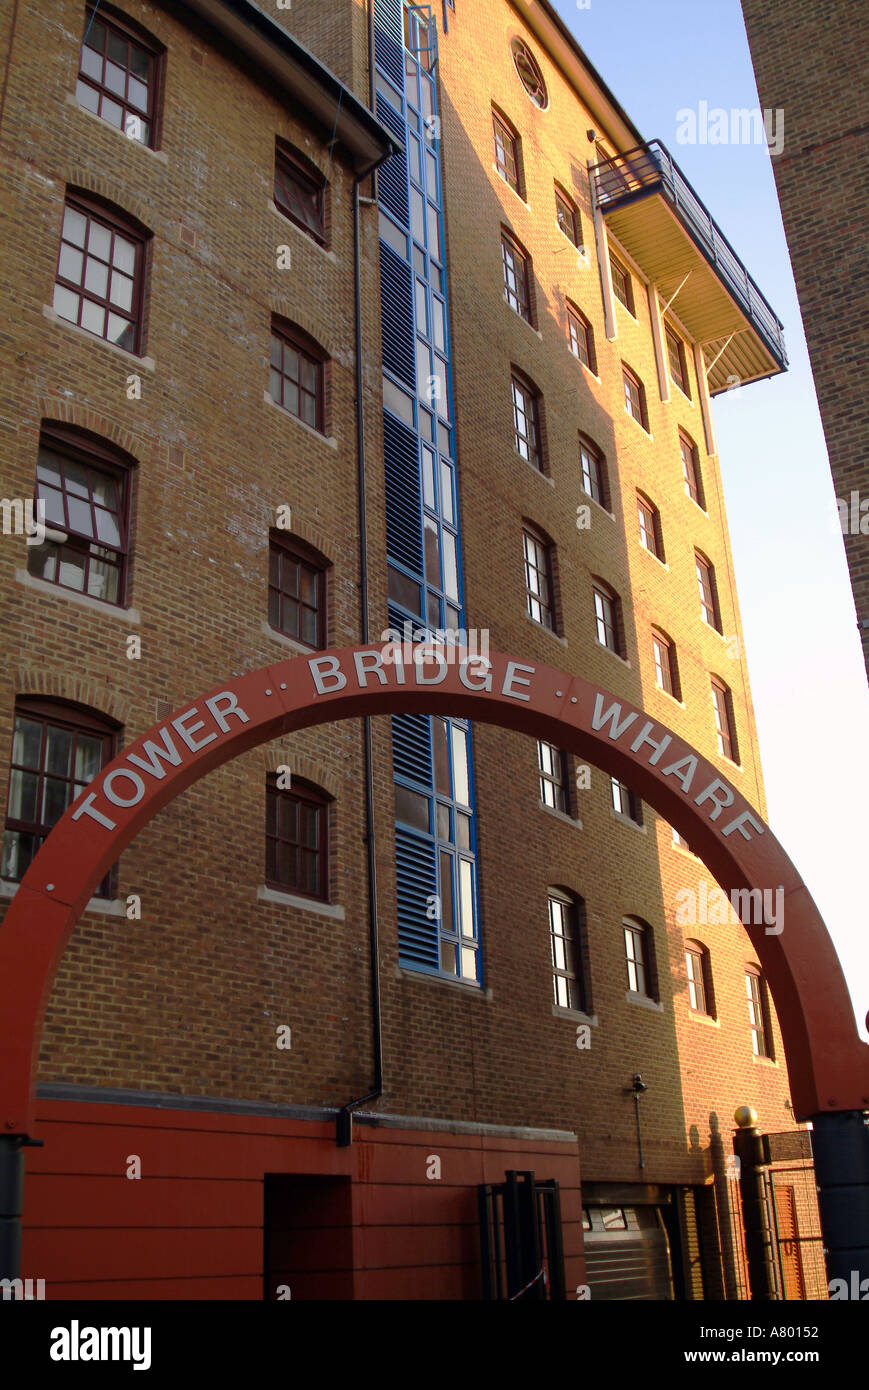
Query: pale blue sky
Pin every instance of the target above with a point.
(804, 658)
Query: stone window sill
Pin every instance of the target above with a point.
(146, 364)
(96, 605)
(272, 895)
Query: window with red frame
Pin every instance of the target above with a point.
(84, 484)
(297, 590)
(691, 470)
(539, 592)
(725, 724)
(650, 526)
(119, 76)
(567, 216)
(506, 152)
(678, 361)
(57, 750)
(516, 265)
(635, 397)
(297, 376)
(297, 839)
(666, 667)
(526, 421)
(581, 337)
(101, 272)
(300, 192)
(707, 589)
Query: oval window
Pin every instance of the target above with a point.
(529, 72)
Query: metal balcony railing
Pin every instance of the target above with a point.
(650, 169)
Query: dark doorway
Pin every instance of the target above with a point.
(307, 1237)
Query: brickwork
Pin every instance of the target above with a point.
(807, 65)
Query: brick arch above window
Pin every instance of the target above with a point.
(285, 311)
(115, 197)
(307, 770)
(47, 683)
(55, 410)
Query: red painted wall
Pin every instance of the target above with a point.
(192, 1226)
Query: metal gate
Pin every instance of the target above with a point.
(520, 1238)
(791, 1217)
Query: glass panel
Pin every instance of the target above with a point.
(70, 264)
(309, 631)
(403, 590)
(397, 401)
(93, 317)
(291, 396)
(441, 756)
(460, 765)
(419, 260)
(434, 231)
(421, 310)
(439, 331)
(432, 553)
(58, 751)
(451, 575)
(559, 959)
(139, 62)
(428, 470)
(115, 79)
(412, 808)
(463, 831)
(469, 963)
(309, 410)
(447, 493)
(27, 743)
(309, 824)
(72, 570)
(441, 399)
(423, 370)
(42, 561)
(138, 94)
(561, 991)
(392, 236)
(466, 896)
(80, 519)
(91, 62)
(88, 757)
(55, 800)
(448, 957)
(117, 48)
(415, 153)
(99, 241)
(443, 821)
(103, 581)
(112, 112)
(432, 610)
(431, 166)
(107, 528)
(22, 796)
(74, 225)
(447, 891)
(122, 291)
(417, 216)
(65, 303)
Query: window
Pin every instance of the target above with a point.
(517, 277)
(297, 590)
(101, 272)
(691, 469)
(567, 215)
(529, 72)
(566, 915)
(552, 766)
(296, 376)
(699, 979)
(650, 526)
(678, 363)
(622, 284)
(722, 703)
(297, 839)
(526, 421)
(593, 471)
(581, 338)
(506, 152)
(626, 802)
(635, 397)
(538, 578)
(666, 666)
(85, 485)
(758, 1013)
(640, 957)
(118, 76)
(607, 617)
(56, 751)
(708, 591)
(300, 191)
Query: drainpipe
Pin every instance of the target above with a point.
(344, 1123)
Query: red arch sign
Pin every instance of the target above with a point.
(828, 1064)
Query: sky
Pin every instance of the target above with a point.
(805, 662)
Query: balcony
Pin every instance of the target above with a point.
(653, 211)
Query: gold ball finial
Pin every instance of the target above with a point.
(745, 1116)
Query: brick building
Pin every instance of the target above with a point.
(272, 406)
(809, 63)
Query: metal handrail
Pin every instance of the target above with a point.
(649, 168)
